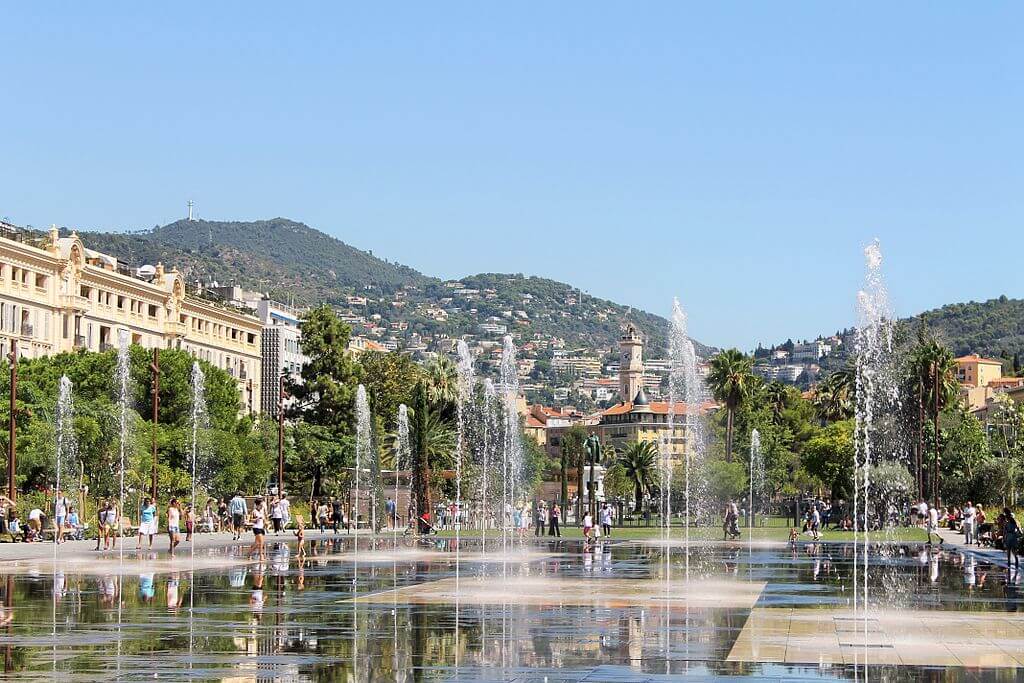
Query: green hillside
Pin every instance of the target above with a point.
(993, 328)
(294, 262)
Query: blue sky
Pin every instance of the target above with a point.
(737, 156)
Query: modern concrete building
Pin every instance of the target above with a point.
(57, 295)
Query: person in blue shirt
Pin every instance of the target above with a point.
(74, 524)
(148, 522)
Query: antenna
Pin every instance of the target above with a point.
(190, 205)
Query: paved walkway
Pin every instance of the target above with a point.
(86, 549)
(954, 540)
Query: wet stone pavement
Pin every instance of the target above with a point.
(400, 611)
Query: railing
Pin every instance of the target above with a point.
(26, 330)
(79, 341)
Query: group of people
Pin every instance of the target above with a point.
(66, 522)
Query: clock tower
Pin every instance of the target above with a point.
(631, 363)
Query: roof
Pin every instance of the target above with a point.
(657, 407)
(1006, 382)
(533, 422)
(975, 358)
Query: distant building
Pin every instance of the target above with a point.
(974, 371)
(810, 352)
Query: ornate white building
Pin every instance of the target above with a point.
(56, 295)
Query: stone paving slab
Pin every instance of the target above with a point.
(911, 637)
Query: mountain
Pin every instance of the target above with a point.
(293, 262)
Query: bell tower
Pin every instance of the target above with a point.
(631, 363)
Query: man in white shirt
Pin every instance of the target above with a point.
(970, 519)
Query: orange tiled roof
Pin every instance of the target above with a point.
(657, 407)
(531, 421)
(975, 358)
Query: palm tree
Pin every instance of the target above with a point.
(443, 384)
(833, 399)
(640, 463)
(731, 379)
(776, 397)
(932, 368)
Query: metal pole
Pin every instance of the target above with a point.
(12, 488)
(155, 369)
(935, 418)
(280, 438)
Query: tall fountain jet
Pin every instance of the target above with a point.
(66, 454)
(686, 389)
(487, 417)
(199, 421)
(123, 375)
(877, 436)
(403, 457)
(364, 458)
(512, 462)
(756, 480)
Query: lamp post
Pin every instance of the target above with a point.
(154, 368)
(280, 435)
(12, 489)
(593, 447)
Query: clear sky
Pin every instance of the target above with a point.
(736, 155)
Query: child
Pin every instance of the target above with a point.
(793, 535)
(190, 522)
(300, 534)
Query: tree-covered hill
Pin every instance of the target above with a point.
(287, 259)
(993, 328)
(293, 262)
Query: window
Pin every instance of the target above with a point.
(152, 311)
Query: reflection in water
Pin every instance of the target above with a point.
(292, 616)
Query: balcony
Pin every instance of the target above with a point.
(26, 330)
(106, 346)
(80, 341)
(74, 302)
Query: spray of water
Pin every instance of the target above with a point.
(513, 447)
(403, 459)
(756, 481)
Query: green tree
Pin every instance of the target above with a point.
(389, 379)
(731, 381)
(326, 395)
(829, 456)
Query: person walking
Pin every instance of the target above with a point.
(321, 515)
(391, 510)
(259, 517)
(173, 524)
(932, 524)
(1012, 538)
(148, 522)
(970, 518)
(554, 519)
(190, 522)
(606, 519)
(239, 510)
(588, 526)
(816, 524)
(335, 513)
(286, 511)
(60, 513)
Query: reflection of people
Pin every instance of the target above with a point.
(256, 599)
(146, 589)
(174, 597)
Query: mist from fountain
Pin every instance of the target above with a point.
(363, 447)
(403, 458)
(66, 453)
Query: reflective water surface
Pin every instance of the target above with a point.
(550, 612)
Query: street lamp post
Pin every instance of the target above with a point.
(12, 488)
(280, 436)
(154, 368)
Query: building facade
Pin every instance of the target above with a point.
(57, 296)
